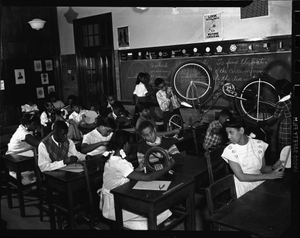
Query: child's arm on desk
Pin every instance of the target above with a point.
(141, 176)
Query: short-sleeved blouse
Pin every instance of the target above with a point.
(249, 157)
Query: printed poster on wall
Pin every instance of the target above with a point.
(212, 26)
(20, 76)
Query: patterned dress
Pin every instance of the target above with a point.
(249, 157)
(283, 111)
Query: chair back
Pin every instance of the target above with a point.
(93, 170)
(216, 166)
(215, 191)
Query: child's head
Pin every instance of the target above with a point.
(30, 121)
(143, 109)
(235, 129)
(140, 78)
(52, 96)
(224, 115)
(283, 87)
(49, 106)
(121, 140)
(60, 131)
(147, 131)
(105, 125)
(160, 84)
(147, 77)
(110, 99)
(72, 99)
(117, 108)
(76, 107)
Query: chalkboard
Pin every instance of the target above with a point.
(237, 69)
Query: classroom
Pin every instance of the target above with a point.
(126, 116)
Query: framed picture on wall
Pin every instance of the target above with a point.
(40, 92)
(20, 76)
(51, 89)
(45, 78)
(123, 37)
(49, 66)
(37, 65)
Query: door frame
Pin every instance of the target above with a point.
(81, 53)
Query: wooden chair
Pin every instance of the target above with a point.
(198, 135)
(18, 164)
(216, 166)
(42, 190)
(213, 194)
(93, 170)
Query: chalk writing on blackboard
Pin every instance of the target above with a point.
(231, 68)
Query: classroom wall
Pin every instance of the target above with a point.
(157, 26)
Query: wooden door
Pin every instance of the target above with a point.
(95, 58)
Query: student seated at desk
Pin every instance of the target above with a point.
(96, 141)
(47, 118)
(23, 141)
(214, 133)
(148, 132)
(29, 108)
(77, 115)
(118, 171)
(143, 109)
(73, 132)
(245, 157)
(57, 104)
(106, 108)
(56, 150)
(120, 116)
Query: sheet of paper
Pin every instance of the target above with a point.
(76, 168)
(152, 185)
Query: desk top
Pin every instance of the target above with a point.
(17, 158)
(191, 166)
(264, 211)
(152, 196)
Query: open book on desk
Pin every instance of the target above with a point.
(152, 185)
(76, 168)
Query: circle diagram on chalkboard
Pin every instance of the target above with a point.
(193, 81)
(135, 69)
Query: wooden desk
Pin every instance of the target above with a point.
(151, 203)
(195, 167)
(18, 164)
(67, 183)
(264, 211)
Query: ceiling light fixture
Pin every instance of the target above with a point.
(37, 24)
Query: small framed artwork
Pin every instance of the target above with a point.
(49, 66)
(40, 92)
(51, 89)
(37, 65)
(123, 37)
(20, 76)
(45, 78)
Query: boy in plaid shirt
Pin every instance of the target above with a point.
(213, 136)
